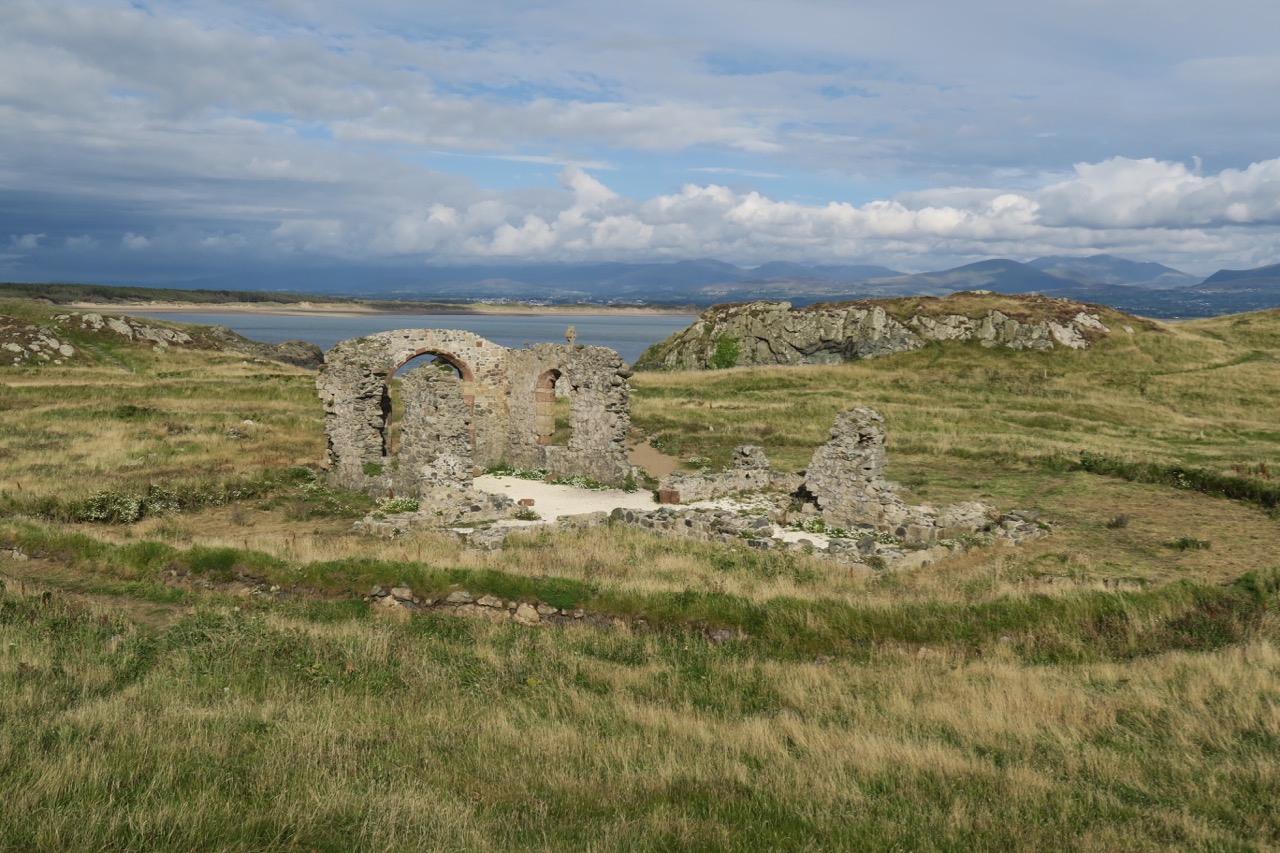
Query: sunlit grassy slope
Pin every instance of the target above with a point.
(1114, 686)
(121, 415)
(1200, 392)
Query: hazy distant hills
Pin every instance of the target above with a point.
(1108, 269)
(1144, 288)
(1258, 279)
(1000, 276)
(696, 281)
(849, 272)
(1224, 292)
(1139, 287)
(1055, 274)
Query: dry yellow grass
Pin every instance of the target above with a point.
(232, 724)
(502, 737)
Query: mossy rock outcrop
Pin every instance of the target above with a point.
(754, 333)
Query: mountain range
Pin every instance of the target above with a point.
(1146, 288)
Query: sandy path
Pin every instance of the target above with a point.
(551, 501)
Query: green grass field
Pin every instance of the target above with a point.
(1113, 686)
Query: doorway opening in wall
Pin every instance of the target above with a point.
(554, 409)
(393, 402)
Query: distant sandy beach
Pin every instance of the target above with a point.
(341, 309)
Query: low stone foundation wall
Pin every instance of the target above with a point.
(763, 529)
(873, 550)
(850, 512)
(748, 472)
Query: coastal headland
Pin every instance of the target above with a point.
(357, 309)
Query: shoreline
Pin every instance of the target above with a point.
(334, 309)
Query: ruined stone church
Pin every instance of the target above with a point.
(490, 405)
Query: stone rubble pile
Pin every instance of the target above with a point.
(769, 530)
(475, 509)
(881, 550)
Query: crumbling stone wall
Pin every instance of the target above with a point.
(846, 476)
(435, 458)
(353, 388)
(595, 380)
(748, 472)
(846, 481)
(844, 488)
(499, 389)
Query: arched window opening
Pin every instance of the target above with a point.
(554, 413)
(393, 405)
(431, 360)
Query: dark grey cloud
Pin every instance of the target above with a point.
(205, 134)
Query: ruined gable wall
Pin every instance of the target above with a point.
(846, 478)
(600, 411)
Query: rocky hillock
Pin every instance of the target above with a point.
(752, 333)
(76, 337)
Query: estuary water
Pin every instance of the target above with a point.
(630, 335)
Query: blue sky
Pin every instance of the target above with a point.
(159, 141)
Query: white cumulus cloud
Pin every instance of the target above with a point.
(1144, 206)
(1125, 193)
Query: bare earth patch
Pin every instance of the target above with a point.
(648, 458)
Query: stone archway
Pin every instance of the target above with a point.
(546, 401)
(466, 390)
(454, 360)
(594, 413)
(353, 388)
